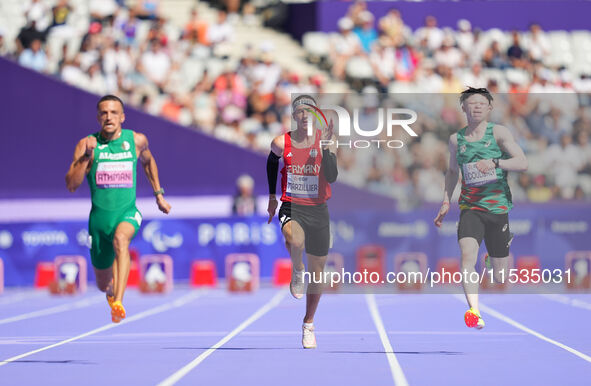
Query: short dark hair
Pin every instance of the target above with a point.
(109, 98)
(471, 91)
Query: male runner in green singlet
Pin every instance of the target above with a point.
(108, 160)
(484, 152)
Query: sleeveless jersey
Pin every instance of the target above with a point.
(112, 177)
(487, 192)
(302, 178)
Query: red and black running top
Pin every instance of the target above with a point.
(302, 179)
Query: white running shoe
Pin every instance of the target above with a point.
(296, 286)
(308, 337)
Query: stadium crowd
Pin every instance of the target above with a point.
(181, 73)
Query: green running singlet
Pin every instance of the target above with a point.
(487, 192)
(112, 181)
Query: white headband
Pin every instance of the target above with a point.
(303, 101)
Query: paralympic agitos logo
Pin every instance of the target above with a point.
(391, 116)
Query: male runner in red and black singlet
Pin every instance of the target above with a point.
(309, 168)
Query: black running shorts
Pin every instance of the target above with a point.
(315, 222)
(493, 228)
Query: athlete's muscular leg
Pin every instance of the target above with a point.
(500, 268)
(316, 269)
(123, 235)
(103, 279)
(294, 241)
(469, 247)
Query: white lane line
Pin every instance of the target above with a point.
(55, 310)
(152, 311)
(508, 320)
(397, 373)
(568, 301)
(19, 296)
(174, 378)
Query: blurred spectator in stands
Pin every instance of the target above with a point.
(392, 26)
(196, 29)
(465, 37)
(155, 65)
(430, 32)
(519, 190)
(38, 11)
(515, 52)
(448, 55)
(579, 194)
(27, 34)
(540, 192)
(117, 60)
(97, 82)
(128, 27)
(72, 74)
(344, 45)
(34, 57)
(537, 44)
(582, 137)
(266, 75)
(171, 108)
(244, 203)
(148, 9)
(555, 126)
(383, 62)
(451, 83)
(427, 80)
(355, 11)
(222, 31)
(493, 57)
(102, 11)
(366, 32)
(3, 48)
(407, 62)
(475, 78)
(564, 162)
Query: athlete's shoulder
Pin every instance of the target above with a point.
(278, 144)
(453, 139)
(500, 131)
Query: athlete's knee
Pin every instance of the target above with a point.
(120, 241)
(296, 243)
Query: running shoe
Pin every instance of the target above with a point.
(117, 312)
(473, 319)
(296, 286)
(110, 300)
(308, 337)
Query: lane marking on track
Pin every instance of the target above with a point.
(494, 313)
(397, 373)
(152, 311)
(174, 378)
(55, 310)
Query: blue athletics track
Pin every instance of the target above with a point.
(213, 337)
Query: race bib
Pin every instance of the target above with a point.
(473, 177)
(302, 186)
(114, 175)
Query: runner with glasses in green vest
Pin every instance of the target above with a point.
(484, 152)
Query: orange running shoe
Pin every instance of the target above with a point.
(473, 319)
(117, 312)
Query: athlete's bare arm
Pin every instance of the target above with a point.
(518, 161)
(451, 179)
(150, 168)
(277, 147)
(83, 155)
